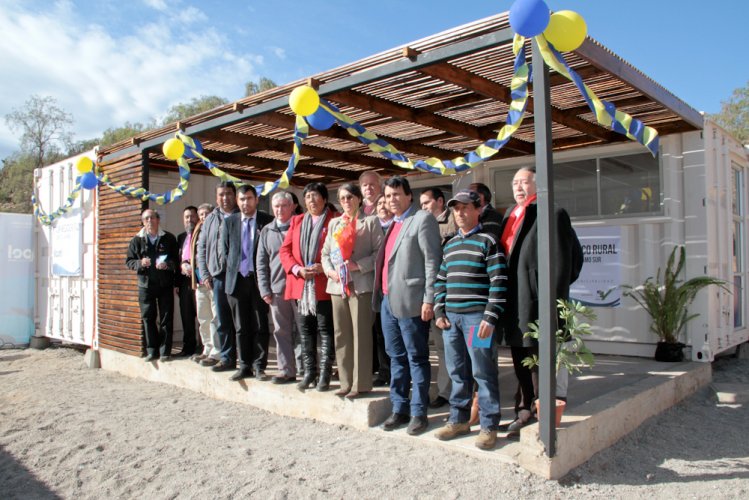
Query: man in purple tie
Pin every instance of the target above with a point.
(238, 242)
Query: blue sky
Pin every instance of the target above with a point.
(108, 62)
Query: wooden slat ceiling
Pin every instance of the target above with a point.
(442, 109)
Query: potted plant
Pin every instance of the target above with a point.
(666, 299)
(571, 352)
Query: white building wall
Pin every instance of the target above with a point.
(696, 185)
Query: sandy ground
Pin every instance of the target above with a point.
(70, 432)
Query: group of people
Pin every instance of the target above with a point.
(374, 281)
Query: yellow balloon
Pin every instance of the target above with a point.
(174, 149)
(566, 30)
(84, 165)
(304, 100)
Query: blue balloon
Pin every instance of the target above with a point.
(89, 180)
(198, 148)
(321, 119)
(529, 17)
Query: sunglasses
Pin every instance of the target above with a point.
(346, 197)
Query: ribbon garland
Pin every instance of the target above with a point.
(605, 112)
(301, 131)
(48, 219)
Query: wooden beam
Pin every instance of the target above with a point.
(458, 76)
(199, 169)
(278, 166)
(415, 115)
(285, 121)
(268, 144)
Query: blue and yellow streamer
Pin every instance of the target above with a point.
(605, 112)
(47, 219)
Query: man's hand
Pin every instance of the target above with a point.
(145, 262)
(208, 282)
(352, 266)
(162, 266)
(268, 299)
(442, 323)
(427, 312)
(485, 330)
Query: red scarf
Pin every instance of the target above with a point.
(513, 224)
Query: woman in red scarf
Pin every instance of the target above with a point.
(305, 282)
(348, 259)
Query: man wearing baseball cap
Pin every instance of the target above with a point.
(469, 298)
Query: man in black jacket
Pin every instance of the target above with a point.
(183, 282)
(519, 238)
(238, 241)
(152, 253)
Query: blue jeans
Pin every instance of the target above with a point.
(466, 364)
(406, 342)
(224, 323)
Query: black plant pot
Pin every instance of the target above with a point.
(669, 351)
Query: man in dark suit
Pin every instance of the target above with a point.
(152, 254)
(183, 282)
(519, 238)
(239, 237)
(405, 271)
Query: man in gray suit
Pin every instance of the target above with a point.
(239, 237)
(406, 268)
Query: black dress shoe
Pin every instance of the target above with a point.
(380, 382)
(261, 376)
(183, 354)
(240, 374)
(222, 367)
(208, 362)
(417, 425)
(280, 379)
(394, 421)
(438, 402)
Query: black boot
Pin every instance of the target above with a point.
(327, 357)
(309, 358)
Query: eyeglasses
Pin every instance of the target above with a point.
(346, 197)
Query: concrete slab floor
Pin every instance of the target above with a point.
(604, 388)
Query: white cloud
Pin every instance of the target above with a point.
(105, 80)
(159, 5)
(279, 52)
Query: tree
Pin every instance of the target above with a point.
(16, 181)
(44, 128)
(262, 85)
(196, 106)
(734, 114)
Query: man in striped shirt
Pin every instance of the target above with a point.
(469, 297)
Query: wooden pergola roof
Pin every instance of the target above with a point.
(440, 96)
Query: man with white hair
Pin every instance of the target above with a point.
(271, 282)
(370, 184)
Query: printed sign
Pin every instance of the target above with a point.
(600, 278)
(66, 245)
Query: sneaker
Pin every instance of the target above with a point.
(452, 430)
(486, 439)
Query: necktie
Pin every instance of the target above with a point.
(245, 266)
(186, 248)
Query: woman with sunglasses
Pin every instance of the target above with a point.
(348, 259)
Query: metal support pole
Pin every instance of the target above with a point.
(546, 227)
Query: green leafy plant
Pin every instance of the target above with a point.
(666, 297)
(574, 321)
